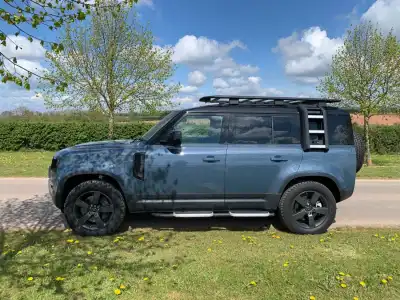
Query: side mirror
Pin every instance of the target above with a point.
(175, 138)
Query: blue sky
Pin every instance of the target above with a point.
(233, 47)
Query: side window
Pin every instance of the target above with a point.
(251, 129)
(340, 130)
(200, 129)
(286, 129)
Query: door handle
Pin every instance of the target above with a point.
(210, 159)
(278, 158)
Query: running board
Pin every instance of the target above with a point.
(193, 215)
(254, 214)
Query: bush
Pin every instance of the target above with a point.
(53, 136)
(383, 139)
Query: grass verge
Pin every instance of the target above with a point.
(35, 164)
(215, 264)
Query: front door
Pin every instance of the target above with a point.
(189, 177)
(263, 149)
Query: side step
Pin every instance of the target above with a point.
(251, 214)
(246, 214)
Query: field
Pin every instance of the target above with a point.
(201, 263)
(35, 164)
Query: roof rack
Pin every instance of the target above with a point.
(235, 100)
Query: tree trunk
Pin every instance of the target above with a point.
(367, 146)
(111, 126)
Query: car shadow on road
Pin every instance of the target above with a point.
(39, 214)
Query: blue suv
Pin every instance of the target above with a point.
(234, 156)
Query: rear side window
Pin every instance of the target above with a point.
(286, 129)
(252, 129)
(266, 129)
(340, 130)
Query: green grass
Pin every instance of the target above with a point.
(25, 164)
(215, 264)
(35, 164)
(384, 166)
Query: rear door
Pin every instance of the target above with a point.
(262, 150)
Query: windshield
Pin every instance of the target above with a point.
(159, 125)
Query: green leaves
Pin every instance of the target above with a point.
(49, 14)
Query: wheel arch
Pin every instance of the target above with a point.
(329, 182)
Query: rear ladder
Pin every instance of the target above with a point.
(314, 128)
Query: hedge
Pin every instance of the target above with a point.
(18, 135)
(52, 136)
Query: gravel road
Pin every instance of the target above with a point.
(25, 204)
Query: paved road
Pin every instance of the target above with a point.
(24, 203)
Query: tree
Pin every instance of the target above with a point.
(365, 73)
(111, 66)
(22, 15)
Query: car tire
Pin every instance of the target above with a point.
(87, 218)
(296, 201)
(360, 150)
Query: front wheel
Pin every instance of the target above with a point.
(307, 208)
(94, 208)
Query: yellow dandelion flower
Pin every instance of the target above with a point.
(209, 249)
(322, 240)
(141, 239)
(343, 285)
(116, 240)
(89, 252)
(355, 298)
(70, 241)
(122, 287)
(384, 281)
(348, 275)
(111, 278)
(161, 240)
(253, 283)
(30, 278)
(286, 264)
(390, 278)
(146, 279)
(376, 235)
(291, 246)
(76, 242)
(60, 278)
(342, 274)
(363, 284)
(117, 292)
(67, 230)
(19, 252)
(243, 238)
(277, 237)
(219, 242)
(393, 239)
(312, 298)
(382, 237)
(79, 265)
(340, 278)
(46, 265)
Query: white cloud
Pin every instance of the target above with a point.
(386, 13)
(194, 50)
(148, 3)
(220, 83)
(26, 49)
(196, 78)
(188, 89)
(249, 86)
(227, 67)
(308, 57)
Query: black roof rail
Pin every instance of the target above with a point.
(235, 100)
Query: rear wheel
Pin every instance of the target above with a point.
(307, 208)
(94, 208)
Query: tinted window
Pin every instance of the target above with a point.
(252, 129)
(200, 128)
(340, 130)
(286, 129)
